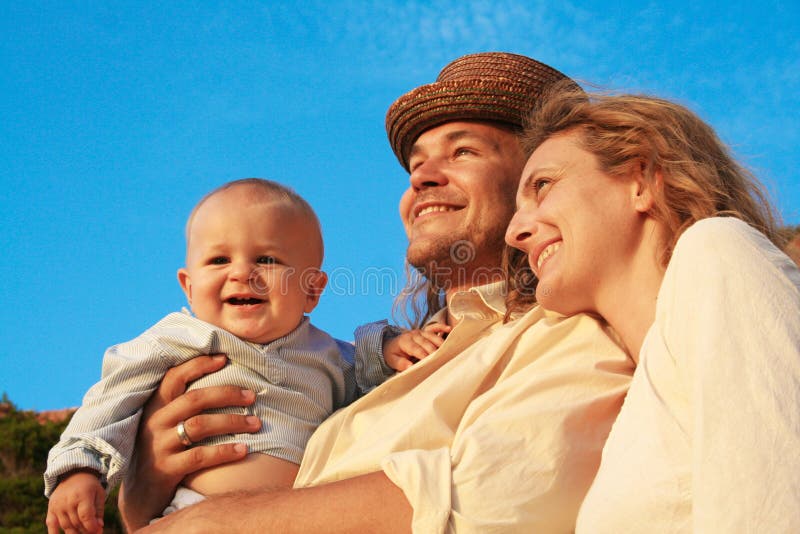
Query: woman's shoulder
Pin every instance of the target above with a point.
(725, 239)
(714, 248)
(719, 233)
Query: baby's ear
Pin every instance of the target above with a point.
(186, 283)
(314, 282)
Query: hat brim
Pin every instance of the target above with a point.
(431, 105)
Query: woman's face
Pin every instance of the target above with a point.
(578, 225)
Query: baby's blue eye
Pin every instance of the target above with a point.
(219, 260)
(266, 259)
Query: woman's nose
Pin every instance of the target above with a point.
(520, 230)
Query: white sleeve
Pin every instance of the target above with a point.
(102, 432)
(731, 305)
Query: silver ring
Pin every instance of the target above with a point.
(182, 434)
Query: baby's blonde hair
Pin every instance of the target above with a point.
(268, 190)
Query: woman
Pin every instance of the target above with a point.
(631, 208)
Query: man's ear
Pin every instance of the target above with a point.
(186, 283)
(314, 283)
(406, 202)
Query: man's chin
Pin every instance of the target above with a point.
(426, 255)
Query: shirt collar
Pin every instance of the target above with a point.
(482, 302)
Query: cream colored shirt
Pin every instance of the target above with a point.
(499, 430)
(709, 437)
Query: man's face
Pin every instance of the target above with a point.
(463, 180)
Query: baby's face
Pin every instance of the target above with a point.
(251, 266)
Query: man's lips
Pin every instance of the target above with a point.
(426, 208)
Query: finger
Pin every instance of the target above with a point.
(433, 338)
(99, 507)
(206, 456)
(199, 427)
(398, 363)
(53, 526)
(403, 364)
(87, 519)
(193, 403)
(65, 520)
(419, 347)
(176, 379)
(437, 328)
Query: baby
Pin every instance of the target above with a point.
(253, 256)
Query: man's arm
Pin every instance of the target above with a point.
(367, 503)
(161, 461)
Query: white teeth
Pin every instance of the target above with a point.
(432, 209)
(548, 251)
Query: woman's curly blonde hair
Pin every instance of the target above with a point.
(691, 171)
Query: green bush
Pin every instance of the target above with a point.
(24, 443)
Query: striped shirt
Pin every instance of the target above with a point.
(300, 379)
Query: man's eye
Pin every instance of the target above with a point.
(219, 260)
(462, 151)
(266, 259)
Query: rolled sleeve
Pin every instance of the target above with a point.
(371, 368)
(92, 453)
(425, 478)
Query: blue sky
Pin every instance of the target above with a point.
(116, 117)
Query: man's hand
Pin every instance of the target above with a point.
(161, 461)
(405, 350)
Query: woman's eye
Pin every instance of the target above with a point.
(219, 260)
(540, 184)
(266, 259)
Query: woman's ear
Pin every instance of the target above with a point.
(644, 189)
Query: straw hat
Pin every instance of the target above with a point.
(494, 86)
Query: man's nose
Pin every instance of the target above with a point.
(428, 174)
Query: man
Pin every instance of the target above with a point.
(499, 429)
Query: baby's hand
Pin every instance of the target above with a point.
(405, 350)
(76, 505)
